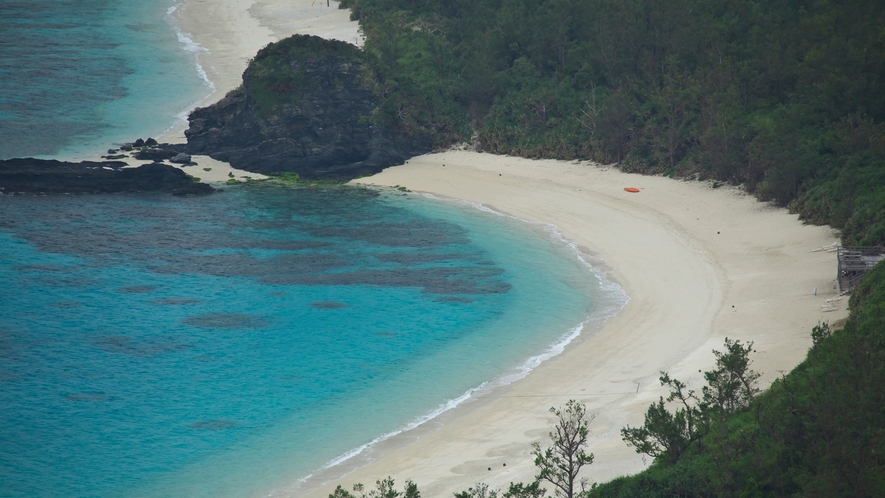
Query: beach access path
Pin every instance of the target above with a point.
(698, 263)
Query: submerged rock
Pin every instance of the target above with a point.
(304, 107)
(42, 176)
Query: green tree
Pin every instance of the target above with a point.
(666, 434)
(731, 385)
(480, 490)
(385, 488)
(520, 490)
(516, 490)
(560, 464)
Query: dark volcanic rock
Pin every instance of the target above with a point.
(138, 143)
(181, 158)
(57, 177)
(150, 142)
(303, 108)
(155, 154)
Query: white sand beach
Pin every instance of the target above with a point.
(699, 264)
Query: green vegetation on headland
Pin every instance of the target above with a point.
(818, 431)
(308, 106)
(784, 97)
(274, 81)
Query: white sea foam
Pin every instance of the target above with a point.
(592, 263)
(417, 422)
(616, 300)
(195, 50)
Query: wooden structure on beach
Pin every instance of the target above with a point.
(854, 262)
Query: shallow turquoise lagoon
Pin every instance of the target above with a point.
(230, 345)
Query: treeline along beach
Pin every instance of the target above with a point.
(785, 97)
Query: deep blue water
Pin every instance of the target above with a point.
(77, 76)
(228, 345)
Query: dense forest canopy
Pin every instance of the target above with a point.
(784, 97)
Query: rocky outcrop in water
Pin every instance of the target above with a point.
(304, 107)
(42, 176)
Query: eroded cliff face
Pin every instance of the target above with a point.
(305, 107)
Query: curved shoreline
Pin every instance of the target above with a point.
(612, 300)
(698, 263)
(683, 252)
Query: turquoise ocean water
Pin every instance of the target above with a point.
(77, 76)
(228, 345)
(233, 344)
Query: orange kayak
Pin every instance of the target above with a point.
(631, 189)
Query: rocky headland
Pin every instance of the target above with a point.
(47, 176)
(305, 107)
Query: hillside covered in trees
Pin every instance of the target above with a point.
(819, 431)
(784, 97)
